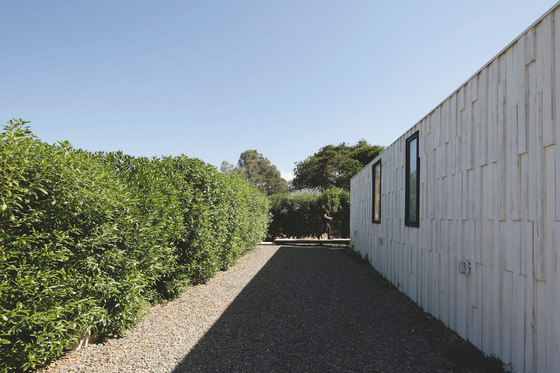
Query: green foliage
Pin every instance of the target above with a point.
(258, 170)
(333, 166)
(300, 215)
(86, 239)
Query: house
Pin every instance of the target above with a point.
(462, 213)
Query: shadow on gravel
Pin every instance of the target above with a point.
(319, 310)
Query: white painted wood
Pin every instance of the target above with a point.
(507, 315)
(555, 296)
(556, 108)
(519, 332)
(540, 332)
(544, 67)
(482, 143)
(487, 277)
(495, 284)
(492, 114)
(490, 194)
(476, 319)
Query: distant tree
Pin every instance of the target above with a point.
(227, 168)
(333, 166)
(258, 170)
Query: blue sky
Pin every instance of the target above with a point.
(211, 79)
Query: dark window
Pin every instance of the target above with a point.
(412, 188)
(376, 183)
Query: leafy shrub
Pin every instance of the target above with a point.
(224, 216)
(86, 239)
(300, 215)
(159, 222)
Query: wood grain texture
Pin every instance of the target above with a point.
(490, 194)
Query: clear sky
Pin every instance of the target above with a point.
(211, 79)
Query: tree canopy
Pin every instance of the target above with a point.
(334, 166)
(258, 170)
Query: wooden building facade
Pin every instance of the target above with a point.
(462, 213)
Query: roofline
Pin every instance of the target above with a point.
(502, 51)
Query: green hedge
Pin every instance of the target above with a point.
(86, 239)
(300, 215)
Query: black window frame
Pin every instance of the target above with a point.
(408, 221)
(373, 191)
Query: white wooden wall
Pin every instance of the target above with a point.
(490, 193)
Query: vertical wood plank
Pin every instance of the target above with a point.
(469, 240)
(530, 47)
(474, 87)
(444, 296)
(487, 186)
(496, 283)
(510, 246)
(477, 212)
(461, 143)
(556, 107)
(421, 283)
(482, 139)
(452, 265)
(476, 319)
(514, 177)
(472, 189)
(468, 133)
(498, 192)
(436, 127)
(540, 332)
(529, 303)
(455, 202)
(488, 320)
(444, 122)
(536, 190)
(461, 97)
(519, 322)
(544, 52)
(447, 196)
(524, 187)
(526, 248)
(477, 146)
(492, 112)
(507, 309)
(433, 200)
(551, 254)
(501, 111)
(452, 118)
(555, 296)
(462, 302)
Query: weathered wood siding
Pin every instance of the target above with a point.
(489, 193)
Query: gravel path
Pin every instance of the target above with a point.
(285, 309)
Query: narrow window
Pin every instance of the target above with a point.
(376, 183)
(412, 187)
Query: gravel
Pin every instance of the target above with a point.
(286, 309)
